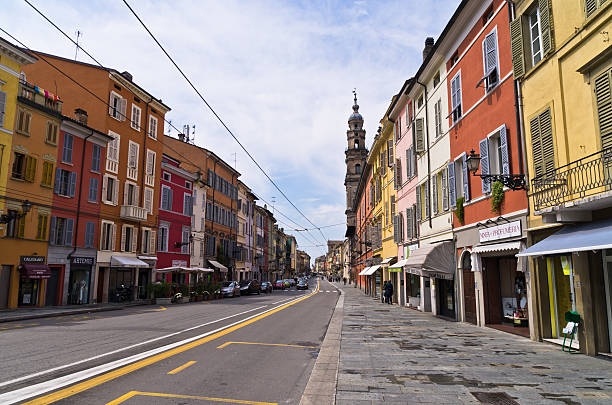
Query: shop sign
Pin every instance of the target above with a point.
(500, 231)
(32, 259)
(88, 261)
(179, 263)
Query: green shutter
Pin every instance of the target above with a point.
(546, 138)
(516, 45)
(603, 99)
(21, 227)
(546, 27)
(536, 146)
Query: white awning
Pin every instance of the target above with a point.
(218, 265)
(498, 247)
(152, 258)
(388, 260)
(399, 264)
(127, 261)
(181, 269)
(372, 270)
(574, 238)
(170, 269)
(363, 272)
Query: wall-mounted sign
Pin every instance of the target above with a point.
(179, 263)
(88, 261)
(32, 259)
(508, 230)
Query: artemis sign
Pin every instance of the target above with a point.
(500, 231)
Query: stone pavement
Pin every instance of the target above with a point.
(397, 355)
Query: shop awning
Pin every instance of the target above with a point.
(498, 247)
(218, 265)
(362, 273)
(434, 260)
(398, 266)
(574, 238)
(388, 260)
(372, 270)
(36, 271)
(152, 258)
(181, 269)
(127, 261)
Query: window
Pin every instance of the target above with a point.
(90, 229)
(438, 117)
(187, 205)
(18, 171)
(128, 239)
(150, 168)
(537, 39)
(152, 127)
(107, 238)
(185, 239)
(30, 169)
(95, 158)
(110, 190)
(356, 144)
(201, 224)
(420, 101)
(410, 163)
(65, 182)
(47, 175)
(133, 151)
(67, 148)
(148, 200)
(93, 190)
(456, 97)
(41, 229)
(535, 36)
(436, 79)
(603, 99)
(419, 135)
(166, 200)
(130, 194)
(51, 134)
(455, 58)
(211, 245)
(591, 6)
(2, 107)
(117, 106)
(166, 176)
(162, 237)
(543, 148)
(61, 231)
(188, 185)
(491, 66)
(148, 241)
(135, 121)
(23, 122)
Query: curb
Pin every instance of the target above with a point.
(63, 313)
(321, 386)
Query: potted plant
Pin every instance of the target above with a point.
(497, 192)
(459, 210)
(184, 289)
(198, 292)
(161, 292)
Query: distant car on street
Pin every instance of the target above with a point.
(302, 285)
(266, 287)
(279, 284)
(230, 289)
(249, 287)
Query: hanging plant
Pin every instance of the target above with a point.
(459, 210)
(497, 194)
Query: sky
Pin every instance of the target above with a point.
(279, 73)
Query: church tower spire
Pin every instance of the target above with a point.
(355, 158)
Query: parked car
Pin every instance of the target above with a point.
(249, 287)
(230, 289)
(291, 282)
(279, 284)
(302, 285)
(266, 287)
(287, 283)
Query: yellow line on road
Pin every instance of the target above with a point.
(17, 325)
(161, 308)
(181, 368)
(132, 394)
(101, 379)
(262, 344)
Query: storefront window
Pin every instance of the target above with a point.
(560, 291)
(79, 286)
(28, 291)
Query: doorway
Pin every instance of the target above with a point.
(607, 265)
(51, 295)
(469, 289)
(5, 281)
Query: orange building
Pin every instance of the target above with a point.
(130, 187)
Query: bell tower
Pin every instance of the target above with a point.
(355, 158)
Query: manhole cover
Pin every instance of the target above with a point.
(494, 398)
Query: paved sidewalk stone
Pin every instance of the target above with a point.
(397, 355)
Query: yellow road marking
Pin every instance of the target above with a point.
(101, 379)
(181, 368)
(262, 344)
(161, 308)
(132, 394)
(17, 325)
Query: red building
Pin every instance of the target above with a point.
(482, 98)
(363, 232)
(174, 226)
(75, 212)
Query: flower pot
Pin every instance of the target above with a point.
(184, 300)
(162, 301)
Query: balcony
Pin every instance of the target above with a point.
(37, 96)
(579, 187)
(133, 213)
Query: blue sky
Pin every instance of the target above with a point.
(279, 73)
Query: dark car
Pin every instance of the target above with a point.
(266, 287)
(249, 287)
(302, 285)
(230, 289)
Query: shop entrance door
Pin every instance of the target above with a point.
(52, 284)
(5, 281)
(143, 282)
(469, 296)
(607, 257)
(492, 291)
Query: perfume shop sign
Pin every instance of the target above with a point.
(508, 230)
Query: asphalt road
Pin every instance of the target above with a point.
(255, 349)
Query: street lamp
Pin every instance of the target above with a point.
(512, 181)
(12, 216)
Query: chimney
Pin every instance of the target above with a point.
(81, 116)
(181, 137)
(127, 75)
(429, 43)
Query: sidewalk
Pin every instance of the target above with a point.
(397, 355)
(22, 314)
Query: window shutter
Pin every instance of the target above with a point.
(69, 232)
(445, 189)
(104, 188)
(408, 176)
(110, 105)
(590, 6)
(113, 236)
(490, 53)
(57, 186)
(52, 230)
(420, 141)
(395, 229)
(546, 137)
(466, 180)
(39, 228)
(398, 172)
(536, 142)
(516, 45)
(133, 155)
(603, 99)
(72, 187)
(484, 164)
(126, 188)
(395, 183)
(409, 225)
(151, 242)
(434, 193)
(136, 196)
(426, 195)
(123, 232)
(159, 240)
(115, 191)
(135, 240)
(418, 203)
(503, 144)
(2, 107)
(123, 104)
(452, 194)
(546, 27)
(148, 200)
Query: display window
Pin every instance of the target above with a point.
(79, 285)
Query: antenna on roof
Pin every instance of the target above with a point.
(76, 51)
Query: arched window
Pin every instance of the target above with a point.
(356, 144)
(466, 262)
(358, 168)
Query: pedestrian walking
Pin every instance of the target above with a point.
(388, 292)
(344, 279)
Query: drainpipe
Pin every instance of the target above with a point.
(428, 153)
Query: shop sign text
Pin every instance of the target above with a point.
(500, 231)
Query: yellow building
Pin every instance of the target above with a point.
(562, 57)
(381, 159)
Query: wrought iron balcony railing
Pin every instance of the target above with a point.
(582, 178)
